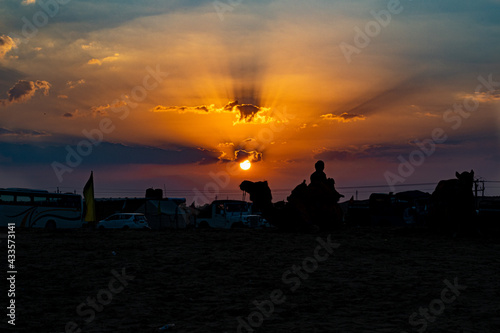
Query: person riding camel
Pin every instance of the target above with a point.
(318, 179)
(319, 175)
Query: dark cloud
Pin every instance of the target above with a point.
(230, 106)
(21, 133)
(104, 154)
(337, 155)
(93, 112)
(208, 160)
(203, 108)
(23, 90)
(243, 155)
(245, 150)
(390, 152)
(380, 151)
(247, 112)
(121, 154)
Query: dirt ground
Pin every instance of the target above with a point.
(356, 280)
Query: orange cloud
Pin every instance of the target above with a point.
(88, 46)
(344, 117)
(99, 62)
(202, 109)
(245, 150)
(483, 97)
(74, 84)
(6, 44)
(102, 110)
(245, 113)
(94, 62)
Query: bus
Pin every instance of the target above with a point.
(29, 208)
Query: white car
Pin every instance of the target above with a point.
(124, 221)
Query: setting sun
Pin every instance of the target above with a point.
(245, 165)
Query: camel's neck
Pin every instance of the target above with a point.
(266, 207)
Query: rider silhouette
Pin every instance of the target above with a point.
(319, 180)
(319, 175)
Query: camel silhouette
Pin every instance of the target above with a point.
(452, 204)
(308, 207)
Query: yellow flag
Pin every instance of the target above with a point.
(88, 194)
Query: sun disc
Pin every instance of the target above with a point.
(245, 165)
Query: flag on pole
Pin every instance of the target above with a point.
(88, 194)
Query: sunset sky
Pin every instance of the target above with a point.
(174, 94)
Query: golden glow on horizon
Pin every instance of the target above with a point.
(245, 165)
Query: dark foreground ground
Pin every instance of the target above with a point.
(210, 281)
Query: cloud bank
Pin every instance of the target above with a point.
(24, 90)
(245, 113)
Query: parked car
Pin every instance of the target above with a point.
(124, 221)
(255, 221)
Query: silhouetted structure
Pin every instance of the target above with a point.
(399, 209)
(489, 214)
(453, 205)
(307, 206)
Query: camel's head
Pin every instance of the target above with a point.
(466, 179)
(260, 193)
(247, 186)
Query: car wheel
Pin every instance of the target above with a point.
(51, 225)
(203, 225)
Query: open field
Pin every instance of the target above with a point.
(369, 280)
